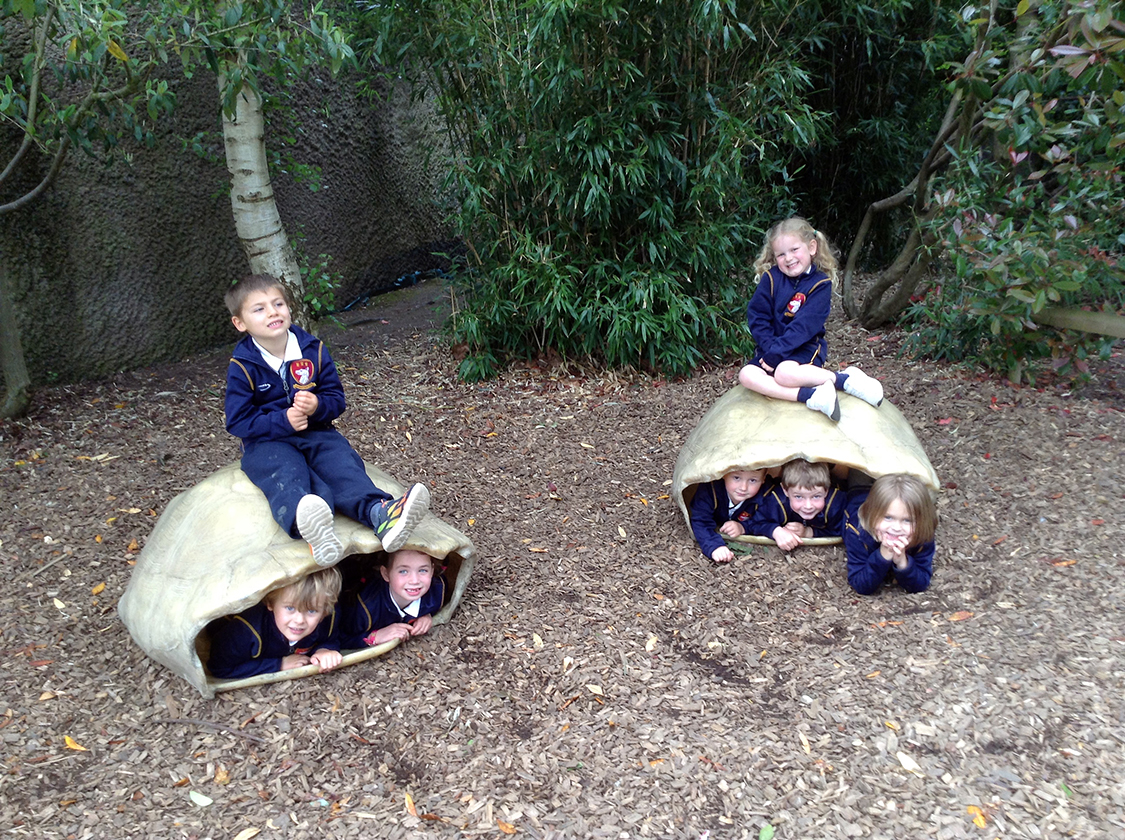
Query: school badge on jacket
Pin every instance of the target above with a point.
(795, 304)
(302, 372)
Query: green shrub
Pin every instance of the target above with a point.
(1033, 219)
(614, 164)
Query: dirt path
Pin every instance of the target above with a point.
(601, 679)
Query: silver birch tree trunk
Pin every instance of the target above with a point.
(256, 218)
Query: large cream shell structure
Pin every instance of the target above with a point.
(216, 550)
(746, 429)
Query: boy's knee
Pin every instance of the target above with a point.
(749, 375)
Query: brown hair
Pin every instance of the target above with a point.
(802, 473)
(825, 258)
(315, 591)
(389, 558)
(236, 295)
(915, 497)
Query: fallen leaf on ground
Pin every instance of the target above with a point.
(909, 764)
(961, 615)
(98, 590)
(507, 828)
(979, 819)
(410, 809)
(247, 833)
(199, 799)
(71, 744)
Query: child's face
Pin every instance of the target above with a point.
(897, 523)
(409, 575)
(806, 502)
(265, 315)
(743, 484)
(294, 623)
(793, 254)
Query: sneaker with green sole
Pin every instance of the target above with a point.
(395, 519)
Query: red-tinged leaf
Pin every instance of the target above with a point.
(961, 615)
(951, 485)
(987, 455)
(40, 662)
(999, 540)
(945, 421)
(433, 817)
(1058, 561)
(1056, 496)
(1097, 522)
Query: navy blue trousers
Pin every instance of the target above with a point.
(321, 462)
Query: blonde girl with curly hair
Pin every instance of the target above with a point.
(787, 316)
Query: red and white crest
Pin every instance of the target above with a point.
(302, 372)
(795, 303)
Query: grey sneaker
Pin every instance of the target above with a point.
(395, 519)
(315, 523)
(825, 401)
(867, 388)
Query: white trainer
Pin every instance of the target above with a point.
(867, 388)
(825, 401)
(315, 523)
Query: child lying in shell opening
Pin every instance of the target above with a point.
(725, 508)
(806, 503)
(291, 627)
(888, 532)
(396, 604)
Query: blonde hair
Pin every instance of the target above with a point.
(316, 591)
(914, 496)
(802, 473)
(825, 258)
(236, 295)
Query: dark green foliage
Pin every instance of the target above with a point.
(1034, 219)
(615, 164)
(877, 73)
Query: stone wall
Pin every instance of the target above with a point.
(124, 265)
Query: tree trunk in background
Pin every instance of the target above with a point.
(256, 219)
(17, 382)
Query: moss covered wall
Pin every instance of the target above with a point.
(124, 265)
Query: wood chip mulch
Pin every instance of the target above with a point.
(601, 678)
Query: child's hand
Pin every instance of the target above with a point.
(326, 659)
(799, 529)
(294, 660)
(785, 538)
(731, 528)
(894, 549)
(421, 625)
(386, 634)
(722, 554)
(306, 402)
(297, 418)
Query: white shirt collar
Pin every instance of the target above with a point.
(410, 609)
(292, 352)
